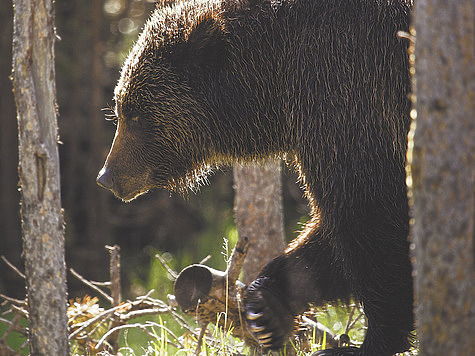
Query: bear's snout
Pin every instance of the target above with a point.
(104, 178)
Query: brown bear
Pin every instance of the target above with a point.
(324, 85)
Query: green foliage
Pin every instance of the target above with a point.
(344, 319)
(16, 341)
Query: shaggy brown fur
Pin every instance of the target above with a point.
(323, 84)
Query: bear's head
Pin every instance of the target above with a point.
(163, 122)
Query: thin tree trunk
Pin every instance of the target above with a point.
(441, 176)
(42, 220)
(259, 213)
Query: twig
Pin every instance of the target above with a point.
(17, 302)
(91, 285)
(350, 316)
(182, 322)
(115, 274)
(12, 326)
(106, 313)
(21, 311)
(142, 312)
(90, 333)
(12, 266)
(165, 265)
(204, 260)
(91, 321)
(200, 339)
(356, 320)
(237, 259)
(116, 291)
(101, 284)
(146, 296)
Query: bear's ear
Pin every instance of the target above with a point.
(205, 44)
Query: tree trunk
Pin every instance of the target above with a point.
(259, 216)
(42, 220)
(440, 176)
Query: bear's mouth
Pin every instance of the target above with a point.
(131, 196)
(126, 188)
(129, 192)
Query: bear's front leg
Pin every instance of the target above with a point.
(286, 286)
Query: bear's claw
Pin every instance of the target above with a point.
(268, 319)
(253, 316)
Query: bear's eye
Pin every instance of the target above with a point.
(134, 121)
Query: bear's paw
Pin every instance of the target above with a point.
(268, 318)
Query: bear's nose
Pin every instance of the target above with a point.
(104, 179)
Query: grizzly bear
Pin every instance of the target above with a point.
(322, 84)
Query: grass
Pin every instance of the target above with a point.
(173, 333)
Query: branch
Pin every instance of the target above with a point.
(91, 285)
(18, 302)
(165, 265)
(12, 266)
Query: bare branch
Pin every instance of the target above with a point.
(12, 326)
(116, 290)
(165, 265)
(91, 285)
(84, 325)
(142, 312)
(17, 302)
(204, 260)
(21, 311)
(101, 284)
(200, 338)
(13, 267)
(115, 274)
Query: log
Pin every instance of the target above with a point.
(214, 296)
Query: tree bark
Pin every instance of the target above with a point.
(259, 213)
(440, 178)
(42, 220)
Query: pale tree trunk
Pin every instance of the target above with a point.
(441, 176)
(42, 220)
(258, 212)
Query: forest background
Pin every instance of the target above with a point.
(93, 40)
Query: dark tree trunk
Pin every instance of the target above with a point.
(42, 220)
(441, 176)
(259, 215)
